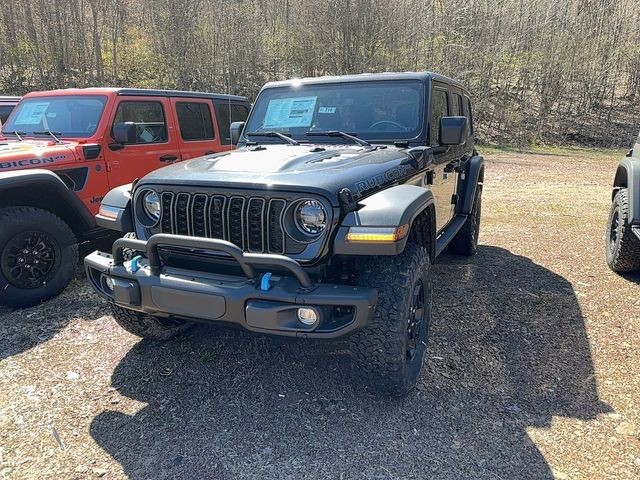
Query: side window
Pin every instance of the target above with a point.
(456, 107)
(149, 118)
(439, 109)
(4, 113)
(469, 115)
(239, 113)
(194, 119)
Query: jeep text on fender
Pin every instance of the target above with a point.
(63, 150)
(324, 223)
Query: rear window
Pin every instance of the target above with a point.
(469, 115)
(195, 120)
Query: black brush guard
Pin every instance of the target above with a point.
(146, 285)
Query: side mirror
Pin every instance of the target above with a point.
(124, 133)
(236, 130)
(453, 131)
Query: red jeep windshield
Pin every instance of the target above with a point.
(64, 115)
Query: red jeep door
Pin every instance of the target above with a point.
(196, 127)
(156, 143)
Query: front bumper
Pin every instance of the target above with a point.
(267, 307)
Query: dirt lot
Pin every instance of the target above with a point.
(533, 370)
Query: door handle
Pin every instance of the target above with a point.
(168, 158)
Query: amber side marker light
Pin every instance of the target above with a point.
(377, 234)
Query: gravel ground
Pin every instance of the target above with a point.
(532, 371)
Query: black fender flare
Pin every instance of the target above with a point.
(471, 176)
(115, 210)
(44, 189)
(388, 209)
(628, 176)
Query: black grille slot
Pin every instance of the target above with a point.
(198, 216)
(216, 217)
(235, 220)
(252, 223)
(182, 213)
(255, 222)
(274, 229)
(167, 203)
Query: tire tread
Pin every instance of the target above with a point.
(626, 258)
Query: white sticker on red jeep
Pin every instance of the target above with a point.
(31, 113)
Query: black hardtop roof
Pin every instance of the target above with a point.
(364, 77)
(178, 93)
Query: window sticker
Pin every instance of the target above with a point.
(290, 112)
(326, 109)
(32, 113)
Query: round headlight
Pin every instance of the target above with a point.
(311, 217)
(151, 203)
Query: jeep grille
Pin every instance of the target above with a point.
(252, 223)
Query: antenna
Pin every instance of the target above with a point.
(229, 93)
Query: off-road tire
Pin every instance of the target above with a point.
(623, 250)
(466, 240)
(19, 222)
(379, 351)
(148, 326)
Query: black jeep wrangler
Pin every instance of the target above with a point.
(324, 223)
(623, 233)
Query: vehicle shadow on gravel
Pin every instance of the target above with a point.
(23, 329)
(508, 351)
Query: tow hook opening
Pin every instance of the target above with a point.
(125, 292)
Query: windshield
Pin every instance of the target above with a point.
(65, 116)
(380, 111)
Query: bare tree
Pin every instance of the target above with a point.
(540, 70)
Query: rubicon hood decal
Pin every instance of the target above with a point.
(30, 154)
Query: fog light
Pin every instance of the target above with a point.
(109, 283)
(308, 316)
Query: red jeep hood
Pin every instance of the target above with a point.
(15, 155)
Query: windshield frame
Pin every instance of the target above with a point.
(417, 135)
(10, 126)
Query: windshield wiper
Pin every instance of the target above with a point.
(49, 132)
(279, 135)
(17, 134)
(336, 133)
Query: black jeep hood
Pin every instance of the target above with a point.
(324, 170)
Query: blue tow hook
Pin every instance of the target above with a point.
(264, 282)
(135, 266)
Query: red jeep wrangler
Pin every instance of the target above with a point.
(63, 150)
